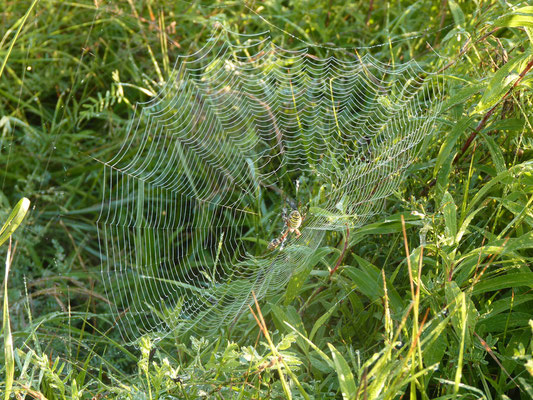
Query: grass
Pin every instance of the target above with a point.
(431, 300)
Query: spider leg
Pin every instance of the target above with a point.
(298, 233)
(283, 241)
(284, 216)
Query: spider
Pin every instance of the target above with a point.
(292, 224)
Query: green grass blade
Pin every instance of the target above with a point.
(8, 339)
(14, 220)
(346, 380)
(521, 17)
(313, 346)
(450, 141)
(450, 216)
(12, 223)
(459, 370)
(501, 82)
(4, 62)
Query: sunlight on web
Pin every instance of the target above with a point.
(241, 130)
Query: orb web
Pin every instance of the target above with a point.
(241, 130)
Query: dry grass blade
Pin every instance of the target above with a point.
(262, 325)
(489, 350)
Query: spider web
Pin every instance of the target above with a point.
(241, 130)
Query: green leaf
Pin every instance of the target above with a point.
(8, 339)
(322, 320)
(462, 95)
(495, 153)
(521, 17)
(464, 314)
(505, 282)
(529, 32)
(392, 224)
(505, 304)
(282, 315)
(522, 213)
(14, 219)
(320, 365)
(344, 373)
(500, 323)
(458, 15)
(449, 142)
(12, 223)
(369, 282)
(501, 82)
(286, 341)
(511, 173)
(450, 216)
(524, 241)
(465, 224)
(313, 346)
(365, 283)
(299, 278)
(443, 177)
(20, 23)
(435, 350)
(507, 124)
(500, 246)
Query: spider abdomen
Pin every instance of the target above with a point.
(295, 220)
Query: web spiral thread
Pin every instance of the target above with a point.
(186, 214)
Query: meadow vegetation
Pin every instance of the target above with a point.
(429, 301)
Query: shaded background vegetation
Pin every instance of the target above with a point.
(458, 326)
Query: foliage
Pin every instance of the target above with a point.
(450, 319)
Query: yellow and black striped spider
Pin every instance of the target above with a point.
(292, 224)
